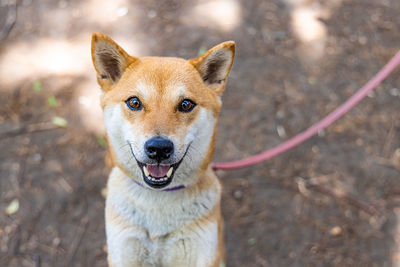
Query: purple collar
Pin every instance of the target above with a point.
(165, 190)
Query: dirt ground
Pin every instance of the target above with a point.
(333, 201)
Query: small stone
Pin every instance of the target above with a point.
(280, 114)
(375, 17)
(333, 97)
(56, 241)
(151, 14)
(281, 131)
(122, 11)
(359, 142)
(394, 92)
(371, 94)
(85, 101)
(251, 30)
(238, 194)
(37, 157)
(362, 40)
(337, 230)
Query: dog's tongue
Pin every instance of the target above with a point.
(158, 171)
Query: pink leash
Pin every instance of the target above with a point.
(314, 129)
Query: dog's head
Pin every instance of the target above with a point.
(160, 113)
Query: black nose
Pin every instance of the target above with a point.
(159, 148)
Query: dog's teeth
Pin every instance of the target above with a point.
(169, 173)
(146, 172)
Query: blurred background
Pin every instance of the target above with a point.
(333, 201)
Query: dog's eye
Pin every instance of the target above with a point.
(134, 103)
(186, 105)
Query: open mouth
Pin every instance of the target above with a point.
(158, 175)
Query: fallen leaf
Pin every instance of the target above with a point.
(102, 141)
(201, 51)
(59, 121)
(52, 101)
(12, 207)
(37, 86)
(251, 241)
(312, 80)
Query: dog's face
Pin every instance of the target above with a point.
(160, 113)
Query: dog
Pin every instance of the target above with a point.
(160, 113)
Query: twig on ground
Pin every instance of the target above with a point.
(36, 258)
(77, 241)
(27, 129)
(392, 163)
(390, 137)
(10, 20)
(368, 208)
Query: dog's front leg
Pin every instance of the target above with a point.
(126, 242)
(125, 249)
(199, 245)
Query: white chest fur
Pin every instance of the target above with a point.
(151, 227)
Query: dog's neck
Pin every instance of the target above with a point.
(164, 211)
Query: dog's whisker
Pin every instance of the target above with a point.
(126, 145)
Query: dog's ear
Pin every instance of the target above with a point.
(109, 60)
(215, 64)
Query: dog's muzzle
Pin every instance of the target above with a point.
(158, 173)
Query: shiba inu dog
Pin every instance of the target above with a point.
(163, 201)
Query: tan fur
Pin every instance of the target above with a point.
(147, 227)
